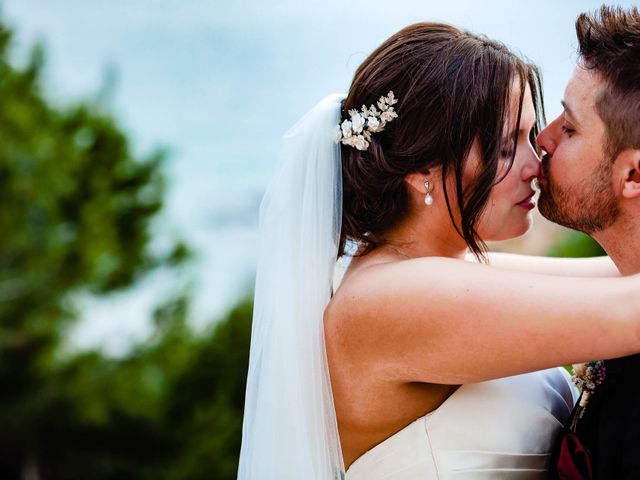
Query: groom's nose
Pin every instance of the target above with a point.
(546, 139)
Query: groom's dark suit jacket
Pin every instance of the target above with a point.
(610, 426)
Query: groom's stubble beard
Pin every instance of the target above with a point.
(588, 206)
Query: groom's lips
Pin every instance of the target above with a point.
(542, 181)
(544, 167)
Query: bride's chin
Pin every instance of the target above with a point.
(511, 231)
(526, 225)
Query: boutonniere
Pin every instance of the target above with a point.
(587, 377)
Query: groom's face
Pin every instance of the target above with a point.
(576, 188)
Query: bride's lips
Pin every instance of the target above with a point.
(528, 203)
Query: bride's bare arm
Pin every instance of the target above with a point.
(570, 267)
(447, 321)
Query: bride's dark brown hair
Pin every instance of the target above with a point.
(452, 87)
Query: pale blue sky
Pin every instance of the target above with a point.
(219, 82)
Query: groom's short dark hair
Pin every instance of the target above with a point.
(609, 43)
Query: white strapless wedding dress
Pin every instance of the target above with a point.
(500, 429)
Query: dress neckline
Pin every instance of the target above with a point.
(422, 417)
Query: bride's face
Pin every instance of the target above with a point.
(509, 209)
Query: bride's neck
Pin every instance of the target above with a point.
(417, 239)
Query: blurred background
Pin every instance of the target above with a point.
(136, 140)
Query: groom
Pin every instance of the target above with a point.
(590, 181)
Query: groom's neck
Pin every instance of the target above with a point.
(622, 244)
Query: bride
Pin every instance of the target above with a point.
(423, 362)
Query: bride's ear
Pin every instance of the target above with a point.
(629, 161)
(415, 181)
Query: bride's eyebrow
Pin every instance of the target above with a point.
(568, 111)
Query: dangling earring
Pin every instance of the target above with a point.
(428, 199)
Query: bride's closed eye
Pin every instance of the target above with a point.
(506, 154)
(507, 149)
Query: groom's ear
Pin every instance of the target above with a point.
(629, 160)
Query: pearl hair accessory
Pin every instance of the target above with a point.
(357, 131)
(428, 199)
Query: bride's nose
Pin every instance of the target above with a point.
(532, 167)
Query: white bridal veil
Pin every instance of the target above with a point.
(290, 429)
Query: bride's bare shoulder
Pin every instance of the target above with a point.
(387, 274)
(388, 296)
(373, 300)
(367, 280)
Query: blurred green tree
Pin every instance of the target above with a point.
(576, 244)
(169, 410)
(205, 402)
(75, 216)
